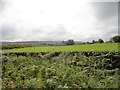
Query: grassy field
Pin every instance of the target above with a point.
(85, 47)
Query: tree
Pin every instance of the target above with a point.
(70, 42)
(63, 42)
(100, 41)
(115, 39)
(88, 42)
(93, 41)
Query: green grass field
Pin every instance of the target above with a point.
(85, 47)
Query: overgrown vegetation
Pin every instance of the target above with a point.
(12, 46)
(61, 70)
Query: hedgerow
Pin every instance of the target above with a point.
(61, 70)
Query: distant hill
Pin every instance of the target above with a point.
(39, 42)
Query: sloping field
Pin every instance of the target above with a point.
(85, 47)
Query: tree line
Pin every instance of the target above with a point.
(69, 42)
(114, 39)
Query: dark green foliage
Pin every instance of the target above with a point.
(70, 42)
(115, 38)
(61, 70)
(100, 41)
(93, 41)
(11, 46)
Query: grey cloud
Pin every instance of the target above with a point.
(105, 10)
(106, 14)
(8, 32)
(43, 33)
(104, 31)
(3, 4)
(60, 30)
(50, 33)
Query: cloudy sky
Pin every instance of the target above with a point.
(42, 20)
